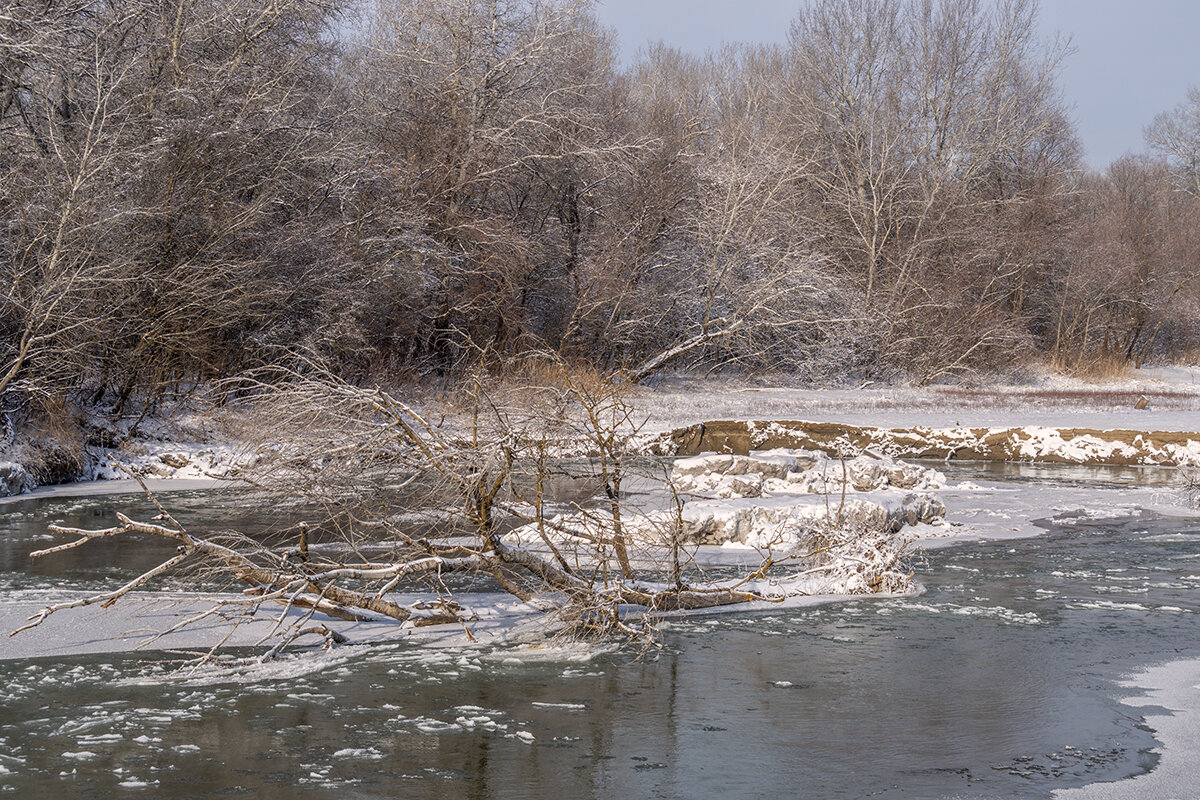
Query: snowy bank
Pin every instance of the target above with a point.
(1030, 443)
(1172, 402)
(150, 460)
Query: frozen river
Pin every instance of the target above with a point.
(1001, 680)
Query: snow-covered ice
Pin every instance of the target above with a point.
(1169, 700)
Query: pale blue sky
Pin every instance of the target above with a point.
(1132, 59)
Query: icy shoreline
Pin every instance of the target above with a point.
(976, 511)
(102, 487)
(1169, 702)
(155, 461)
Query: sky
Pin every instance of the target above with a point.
(1132, 58)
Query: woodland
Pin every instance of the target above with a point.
(411, 190)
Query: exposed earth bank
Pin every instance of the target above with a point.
(1087, 446)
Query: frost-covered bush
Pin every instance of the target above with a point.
(1191, 486)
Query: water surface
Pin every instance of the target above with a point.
(998, 681)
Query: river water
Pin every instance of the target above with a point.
(999, 681)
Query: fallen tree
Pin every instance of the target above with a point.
(400, 504)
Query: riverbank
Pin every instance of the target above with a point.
(1149, 418)
(1030, 444)
(1172, 403)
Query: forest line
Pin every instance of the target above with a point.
(191, 189)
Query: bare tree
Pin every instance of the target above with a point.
(930, 123)
(494, 109)
(1176, 135)
(67, 138)
(1132, 268)
(147, 228)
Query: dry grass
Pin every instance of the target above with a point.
(55, 420)
(532, 384)
(1073, 397)
(1097, 368)
(538, 370)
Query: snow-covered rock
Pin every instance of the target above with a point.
(765, 463)
(772, 472)
(777, 497)
(784, 520)
(14, 479)
(168, 460)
